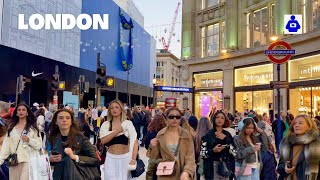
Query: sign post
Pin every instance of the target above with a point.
(287, 53)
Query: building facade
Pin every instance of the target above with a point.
(223, 44)
(17, 59)
(131, 9)
(168, 73)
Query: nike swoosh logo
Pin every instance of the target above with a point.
(35, 74)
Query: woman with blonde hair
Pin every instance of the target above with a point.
(121, 137)
(299, 154)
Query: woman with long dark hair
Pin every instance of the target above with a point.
(22, 135)
(71, 150)
(41, 121)
(204, 126)
(215, 148)
(173, 143)
(84, 126)
(154, 127)
(248, 156)
(121, 137)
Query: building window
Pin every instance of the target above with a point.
(316, 14)
(248, 30)
(222, 35)
(213, 40)
(203, 41)
(212, 2)
(272, 21)
(255, 75)
(260, 27)
(257, 100)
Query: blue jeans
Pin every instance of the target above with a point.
(255, 175)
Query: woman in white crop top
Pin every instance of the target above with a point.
(20, 143)
(120, 158)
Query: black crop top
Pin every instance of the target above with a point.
(122, 139)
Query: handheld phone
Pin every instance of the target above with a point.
(54, 153)
(225, 145)
(289, 164)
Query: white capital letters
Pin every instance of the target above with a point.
(55, 22)
(32, 21)
(21, 24)
(72, 21)
(104, 23)
(87, 24)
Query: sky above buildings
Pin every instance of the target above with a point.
(158, 17)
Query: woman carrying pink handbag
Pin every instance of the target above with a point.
(175, 147)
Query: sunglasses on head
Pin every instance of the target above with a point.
(172, 117)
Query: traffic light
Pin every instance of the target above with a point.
(22, 83)
(101, 73)
(55, 82)
(110, 81)
(62, 85)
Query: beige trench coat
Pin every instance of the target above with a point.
(186, 160)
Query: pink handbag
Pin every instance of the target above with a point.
(166, 168)
(247, 171)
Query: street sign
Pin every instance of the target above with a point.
(173, 89)
(279, 84)
(271, 53)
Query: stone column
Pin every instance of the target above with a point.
(228, 85)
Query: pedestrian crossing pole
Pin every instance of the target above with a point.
(97, 93)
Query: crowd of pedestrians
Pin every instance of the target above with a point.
(179, 146)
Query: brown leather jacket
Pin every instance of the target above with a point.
(185, 162)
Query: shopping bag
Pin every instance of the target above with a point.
(39, 166)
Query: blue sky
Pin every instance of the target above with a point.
(158, 16)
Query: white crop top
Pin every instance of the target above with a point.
(128, 130)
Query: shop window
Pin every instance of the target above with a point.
(209, 80)
(256, 75)
(256, 100)
(205, 101)
(308, 103)
(304, 69)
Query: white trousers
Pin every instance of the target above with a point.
(116, 167)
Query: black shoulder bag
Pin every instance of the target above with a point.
(223, 169)
(13, 157)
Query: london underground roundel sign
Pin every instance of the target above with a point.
(287, 53)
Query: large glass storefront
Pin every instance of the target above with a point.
(208, 93)
(258, 100)
(305, 99)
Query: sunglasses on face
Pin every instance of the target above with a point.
(172, 117)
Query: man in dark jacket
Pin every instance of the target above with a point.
(278, 137)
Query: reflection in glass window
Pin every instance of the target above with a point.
(260, 27)
(213, 40)
(316, 14)
(212, 2)
(203, 41)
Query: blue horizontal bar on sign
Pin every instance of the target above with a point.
(279, 52)
(173, 89)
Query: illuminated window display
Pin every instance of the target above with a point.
(304, 69)
(308, 101)
(209, 80)
(255, 75)
(210, 84)
(204, 101)
(256, 100)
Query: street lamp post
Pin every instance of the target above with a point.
(154, 81)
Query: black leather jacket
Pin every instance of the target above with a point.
(209, 141)
(65, 168)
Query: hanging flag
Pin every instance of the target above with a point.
(127, 25)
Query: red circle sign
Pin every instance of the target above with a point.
(282, 60)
